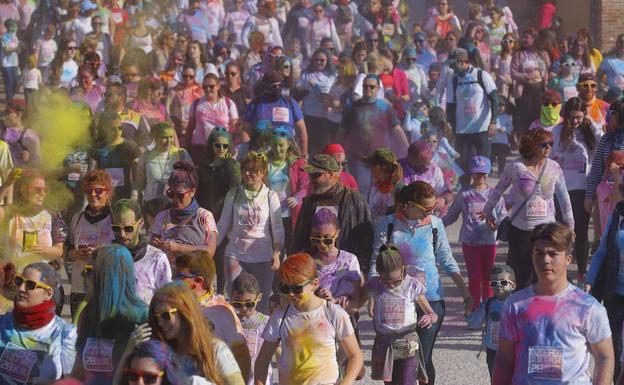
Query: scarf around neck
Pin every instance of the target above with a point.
(34, 317)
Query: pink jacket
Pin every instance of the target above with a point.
(299, 186)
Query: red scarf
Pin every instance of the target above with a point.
(34, 317)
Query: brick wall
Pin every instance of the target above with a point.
(607, 22)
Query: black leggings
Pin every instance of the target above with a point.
(519, 257)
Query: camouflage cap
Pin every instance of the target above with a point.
(321, 163)
(381, 155)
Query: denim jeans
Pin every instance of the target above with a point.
(428, 337)
(10, 77)
(469, 145)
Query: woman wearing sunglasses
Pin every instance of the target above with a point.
(109, 317)
(89, 229)
(252, 221)
(176, 319)
(31, 232)
(153, 363)
(286, 178)
(32, 334)
(184, 227)
(309, 331)
(339, 273)
(421, 239)
(567, 78)
(155, 166)
(536, 180)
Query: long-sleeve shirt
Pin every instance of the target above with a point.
(469, 202)
(601, 253)
(609, 142)
(540, 207)
(576, 157)
(253, 226)
(416, 243)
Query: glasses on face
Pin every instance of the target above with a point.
(147, 377)
(285, 67)
(175, 194)
(500, 283)
(38, 190)
(231, 74)
(128, 229)
(422, 208)
(182, 275)
(188, 76)
(30, 284)
(588, 85)
(246, 304)
(209, 86)
(547, 144)
(550, 104)
(72, 48)
(316, 175)
(95, 190)
(327, 241)
(295, 289)
(166, 315)
(568, 65)
(392, 282)
(508, 41)
(369, 86)
(221, 146)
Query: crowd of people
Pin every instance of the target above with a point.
(255, 175)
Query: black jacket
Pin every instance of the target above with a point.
(215, 180)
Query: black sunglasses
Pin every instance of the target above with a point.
(148, 378)
(30, 284)
(547, 144)
(295, 289)
(221, 146)
(126, 229)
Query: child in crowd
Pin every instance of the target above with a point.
(444, 156)
(478, 236)
(31, 78)
(502, 280)
(500, 141)
(245, 297)
(395, 293)
(386, 174)
(416, 118)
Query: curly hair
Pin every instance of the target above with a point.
(97, 177)
(530, 142)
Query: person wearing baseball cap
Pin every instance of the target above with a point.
(471, 107)
(477, 235)
(416, 73)
(596, 108)
(326, 191)
(336, 151)
(273, 106)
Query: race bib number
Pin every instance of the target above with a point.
(392, 312)
(537, 207)
(474, 208)
(248, 215)
(545, 362)
(494, 328)
(117, 176)
(569, 92)
(17, 363)
(73, 176)
(117, 18)
(303, 22)
(281, 114)
(470, 107)
(251, 336)
(98, 355)
(333, 209)
(88, 237)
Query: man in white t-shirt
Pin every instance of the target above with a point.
(471, 107)
(548, 330)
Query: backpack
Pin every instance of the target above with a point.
(390, 230)
(479, 80)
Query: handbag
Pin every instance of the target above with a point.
(502, 232)
(406, 346)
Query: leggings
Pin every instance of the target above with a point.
(404, 371)
(428, 337)
(520, 256)
(479, 261)
(261, 270)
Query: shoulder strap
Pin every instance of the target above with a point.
(389, 231)
(488, 304)
(279, 329)
(526, 200)
(480, 80)
(455, 83)
(434, 233)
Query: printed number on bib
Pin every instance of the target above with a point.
(17, 363)
(251, 336)
(392, 312)
(545, 362)
(537, 207)
(281, 114)
(98, 355)
(494, 328)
